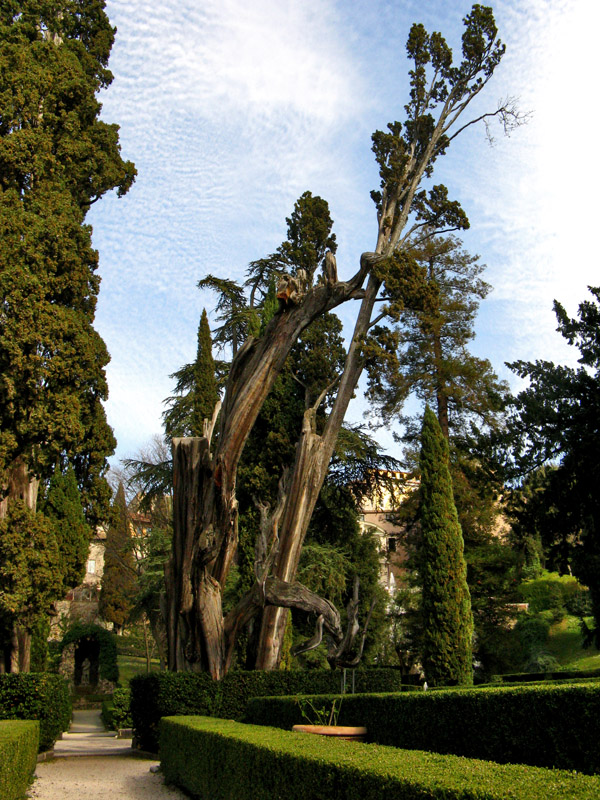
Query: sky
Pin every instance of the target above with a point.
(231, 110)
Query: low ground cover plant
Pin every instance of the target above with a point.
(217, 758)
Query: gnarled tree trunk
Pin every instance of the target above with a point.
(15, 653)
(205, 506)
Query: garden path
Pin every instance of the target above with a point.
(92, 763)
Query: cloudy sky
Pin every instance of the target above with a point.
(230, 110)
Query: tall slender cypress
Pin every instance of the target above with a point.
(205, 392)
(446, 602)
(119, 580)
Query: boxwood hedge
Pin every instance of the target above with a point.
(18, 754)
(175, 693)
(40, 696)
(221, 759)
(546, 726)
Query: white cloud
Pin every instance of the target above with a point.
(231, 109)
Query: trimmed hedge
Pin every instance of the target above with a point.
(563, 674)
(221, 759)
(544, 726)
(19, 742)
(164, 694)
(116, 713)
(40, 696)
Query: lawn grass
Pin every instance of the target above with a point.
(133, 665)
(565, 644)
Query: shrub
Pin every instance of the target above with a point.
(555, 593)
(18, 753)
(543, 662)
(116, 713)
(221, 759)
(44, 697)
(545, 726)
(176, 693)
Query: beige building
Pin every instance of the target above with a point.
(377, 518)
(81, 603)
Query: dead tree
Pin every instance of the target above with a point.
(205, 506)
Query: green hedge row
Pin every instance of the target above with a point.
(544, 726)
(563, 674)
(116, 713)
(220, 759)
(166, 694)
(40, 696)
(19, 742)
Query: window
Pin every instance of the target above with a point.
(91, 567)
(391, 545)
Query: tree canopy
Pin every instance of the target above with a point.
(556, 421)
(202, 633)
(56, 159)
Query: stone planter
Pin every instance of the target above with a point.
(347, 732)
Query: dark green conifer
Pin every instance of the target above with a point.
(446, 602)
(30, 579)
(62, 506)
(205, 393)
(196, 390)
(56, 158)
(119, 580)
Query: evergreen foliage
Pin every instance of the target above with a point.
(56, 159)
(62, 506)
(556, 419)
(446, 602)
(42, 697)
(118, 591)
(196, 390)
(30, 566)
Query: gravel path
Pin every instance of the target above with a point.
(91, 764)
(101, 778)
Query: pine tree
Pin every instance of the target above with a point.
(62, 506)
(446, 603)
(119, 584)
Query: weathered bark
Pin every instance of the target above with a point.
(205, 541)
(19, 484)
(313, 454)
(205, 507)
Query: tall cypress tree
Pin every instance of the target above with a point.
(56, 158)
(205, 393)
(196, 391)
(119, 581)
(446, 602)
(62, 506)
(30, 581)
